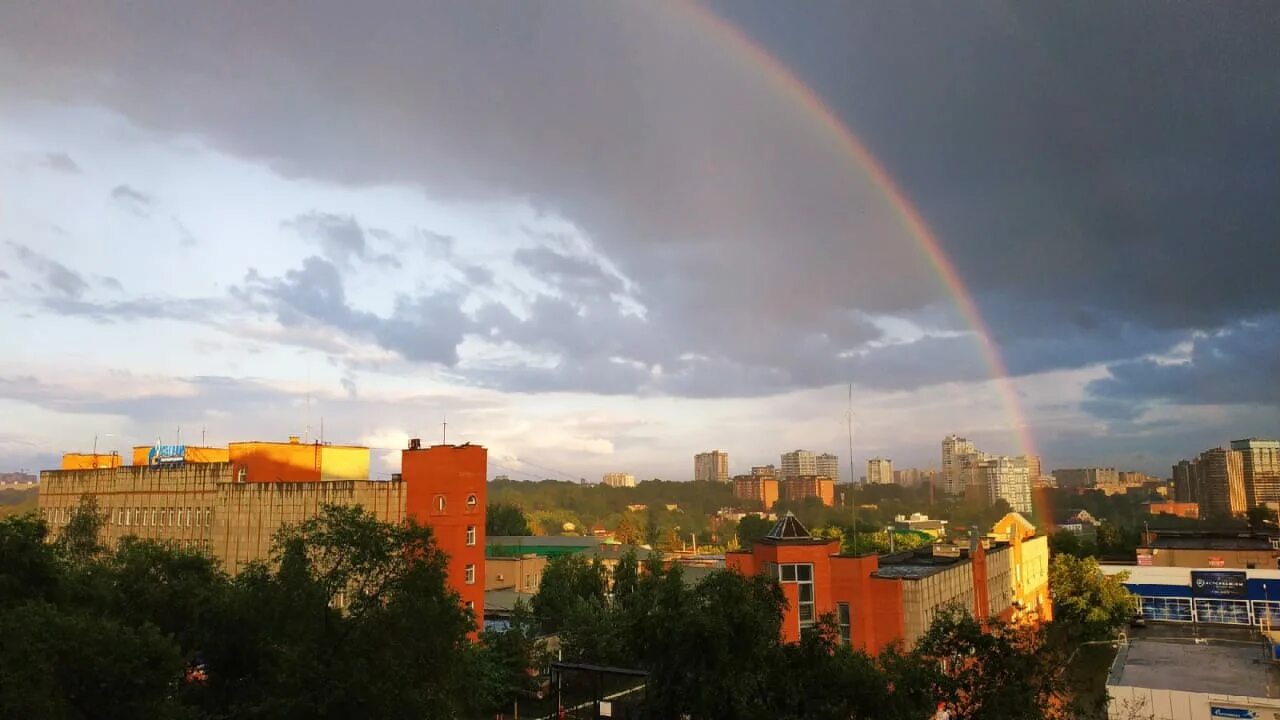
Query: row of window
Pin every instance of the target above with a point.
(1210, 610)
(162, 517)
(472, 503)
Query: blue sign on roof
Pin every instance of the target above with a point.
(1231, 712)
(166, 454)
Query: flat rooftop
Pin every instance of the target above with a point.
(1223, 661)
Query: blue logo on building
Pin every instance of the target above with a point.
(1230, 712)
(1207, 583)
(167, 454)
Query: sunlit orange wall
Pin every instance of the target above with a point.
(89, 461)
(453, 474)
(298, 462)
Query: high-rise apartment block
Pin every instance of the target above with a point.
(828, 465)
(955, 452)
(764, 471)
(618, 479)
(1186, 482)
(1007, 479)
(1261, 461)
(1080, 478)
(711, 466)
(797, 463)
(761, 489)
(1222, 486)
(880, 471)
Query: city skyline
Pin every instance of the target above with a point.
(593, 278)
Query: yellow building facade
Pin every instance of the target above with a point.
(1030, 568)
(258, 461)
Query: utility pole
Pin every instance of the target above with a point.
(853, 500)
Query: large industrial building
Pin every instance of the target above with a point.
(878, 600)
(230, 503)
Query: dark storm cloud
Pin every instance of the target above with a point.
(1100, 205)
(1236, 365)
(425, 328)
(340, 237)
(59, 280)
(133, 200)
(61, 162)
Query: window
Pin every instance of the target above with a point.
(471, 575)
(471, 535)
(439, 503)
(842, 617)
(471, 605)
(801, 574)
(471, 502)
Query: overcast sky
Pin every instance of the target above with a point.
(603, 236)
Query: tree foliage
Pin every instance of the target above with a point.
(1087, 604)
(352, 619)
(505, 519)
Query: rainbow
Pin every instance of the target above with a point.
(794, 90)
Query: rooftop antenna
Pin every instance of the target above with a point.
(853, 500)
(444, 431)
(179, 435)
(202, 440)
(321, 429)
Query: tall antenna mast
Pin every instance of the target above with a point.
(853, 501)
(444, 431)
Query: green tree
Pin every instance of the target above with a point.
(570, 586)
(993, 672)
(751, 528)
(505, 519)
(630, 529)
(1261, 518)
(1087, 605)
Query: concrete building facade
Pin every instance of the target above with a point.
(955, 451)
(1186, 482)
(1007, 479)
(828, 465)
(797, 463)
(711, 466)
(618, 479)
(880, 471)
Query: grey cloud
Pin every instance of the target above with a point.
(109, 283)
(185, 238)
(57, 278)
(426, 328)
(349, 384)
(437, 245)
(1052, 181)
(340, 237)
(477, 275)
(143, 308)
(61, 162)
(1234, 366)
(133, 200)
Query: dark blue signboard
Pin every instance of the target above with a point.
(1230, 712)
(1218, 583)
(166, 454)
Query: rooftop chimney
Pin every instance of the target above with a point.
(415, 443)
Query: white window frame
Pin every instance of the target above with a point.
(469, 575)
(471, 536)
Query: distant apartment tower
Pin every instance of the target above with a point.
(1261, 460)
(880, 471)
(1007, 478)
(954, 451)
(828, 465)
(1186, 482)
(762, 489)
(1034, 467)
(797, 463)
(711, 466)
(1080, 478)
(617, 479)
(764, 471)
(1222, 487)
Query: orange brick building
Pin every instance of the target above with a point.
(446, 490)
(877, 600)
(796, 489)
(756, 489)
(1180, 509)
